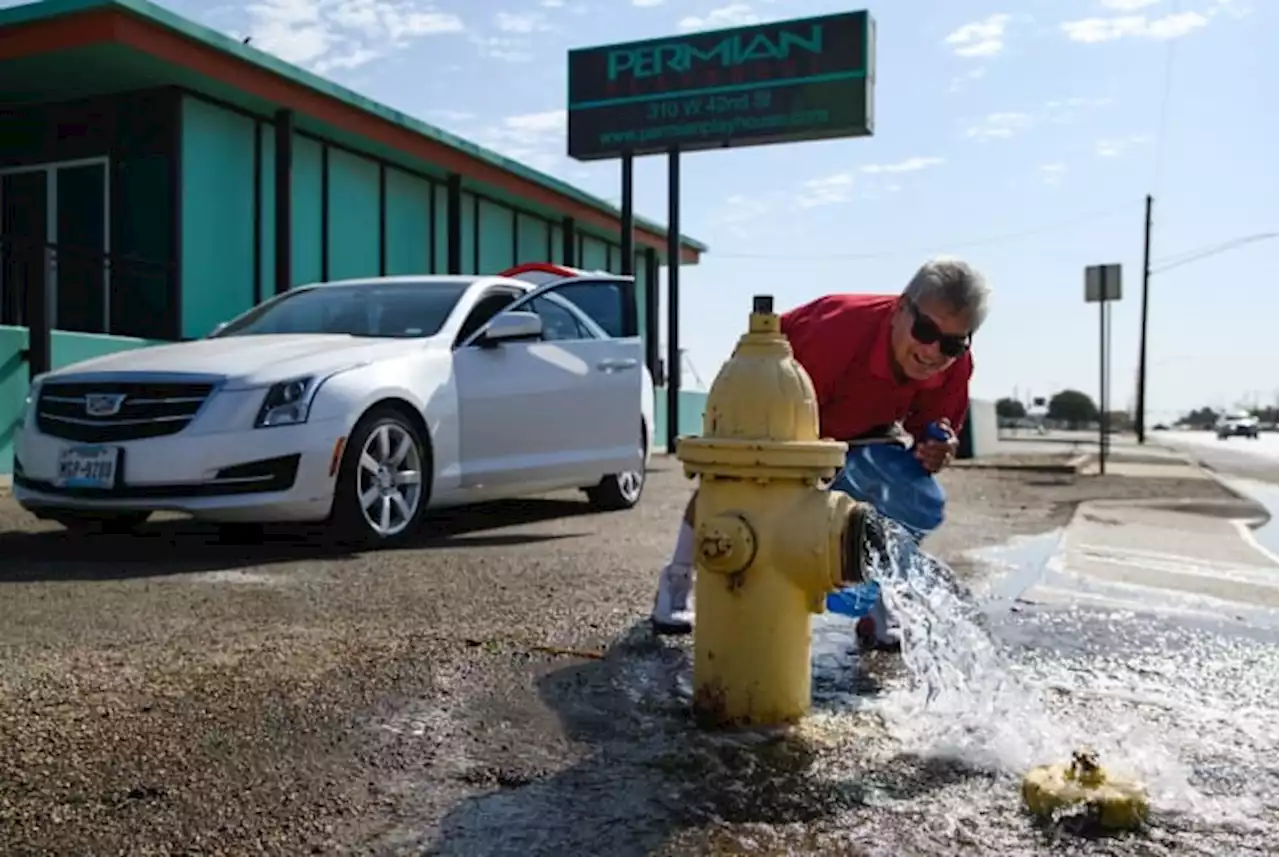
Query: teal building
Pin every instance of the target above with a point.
(157, 178)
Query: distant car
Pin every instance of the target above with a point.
(1160, 427)
(360, 403)
(1237, 425)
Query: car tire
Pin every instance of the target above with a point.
(620, 491)
(107, 523)
(376, 503)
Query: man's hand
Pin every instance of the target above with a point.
(937, 454)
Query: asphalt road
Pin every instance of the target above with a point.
(491, 689)
(1236, 457)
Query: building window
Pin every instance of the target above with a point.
(55, 236)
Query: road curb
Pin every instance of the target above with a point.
(1245, 526)
(1068, 466)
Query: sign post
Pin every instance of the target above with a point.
(1102, 286)
(780, 82)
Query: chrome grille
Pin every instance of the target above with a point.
(147, 409)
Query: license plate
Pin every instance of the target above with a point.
(88, 467)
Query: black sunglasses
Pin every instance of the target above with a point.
(925, 331)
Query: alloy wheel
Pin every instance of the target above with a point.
(389, 479)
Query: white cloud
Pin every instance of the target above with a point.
(1117, 146)
(999, 126)
(329, 34)
(645, 3)
(446, 115)
(1010, 123)
(551, 4)
(519, 22)
(1053, 173)
(503, 48)
(1172, 26)
(1064, 111)
(733, 15)
(910, 165)
(533, 138)
(739, 210)
(828, 190)
(961, 82)
(979, 38)
(1127, 5)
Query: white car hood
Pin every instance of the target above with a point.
(250, 361)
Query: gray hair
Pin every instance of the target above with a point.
(955, 284)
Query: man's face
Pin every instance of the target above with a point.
(928, 337)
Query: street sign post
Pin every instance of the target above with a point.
(1102, 286)
(780, 82)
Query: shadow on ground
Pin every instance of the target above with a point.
(649, 780)
(184, 546)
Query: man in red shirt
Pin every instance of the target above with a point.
(878, 363)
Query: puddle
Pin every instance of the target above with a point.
(1191, 715)
(927, 758)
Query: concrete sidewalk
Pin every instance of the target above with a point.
(1188, 557)
(1178, 558)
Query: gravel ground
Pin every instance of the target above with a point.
(488, 690)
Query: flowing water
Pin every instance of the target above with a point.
(918, 755)
(1154, 705)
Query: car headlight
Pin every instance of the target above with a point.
(287, 403)
(33, 393)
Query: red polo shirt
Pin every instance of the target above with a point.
(842, 341)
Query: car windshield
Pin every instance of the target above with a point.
(387, 310)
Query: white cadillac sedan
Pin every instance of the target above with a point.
(361, 403)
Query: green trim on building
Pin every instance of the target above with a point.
(50, 9)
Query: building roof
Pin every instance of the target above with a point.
(60, 49)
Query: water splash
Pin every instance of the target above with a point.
(970, 701)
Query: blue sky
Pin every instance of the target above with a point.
(1019, 135)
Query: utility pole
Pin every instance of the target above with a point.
(1140, 412)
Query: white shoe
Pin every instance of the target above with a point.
(673, 605)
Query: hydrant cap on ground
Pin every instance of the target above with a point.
(762, 393)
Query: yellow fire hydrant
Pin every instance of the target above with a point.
(771, 542)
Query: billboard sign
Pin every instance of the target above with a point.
(782, 82)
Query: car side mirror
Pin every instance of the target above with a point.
(511, 326)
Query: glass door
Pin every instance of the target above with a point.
(80, 233)
(24, 227)
(55, 232)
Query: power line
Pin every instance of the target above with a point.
(1212, 250)
(992, 239)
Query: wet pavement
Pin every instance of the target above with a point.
(493, 689)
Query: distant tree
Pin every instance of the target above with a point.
(1072, 407)
(1010, 409)
(1269, 414)
(1200, 418)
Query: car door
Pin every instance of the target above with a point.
(563, 409)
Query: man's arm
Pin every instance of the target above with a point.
(809, 329)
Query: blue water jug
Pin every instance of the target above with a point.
(888, 477)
